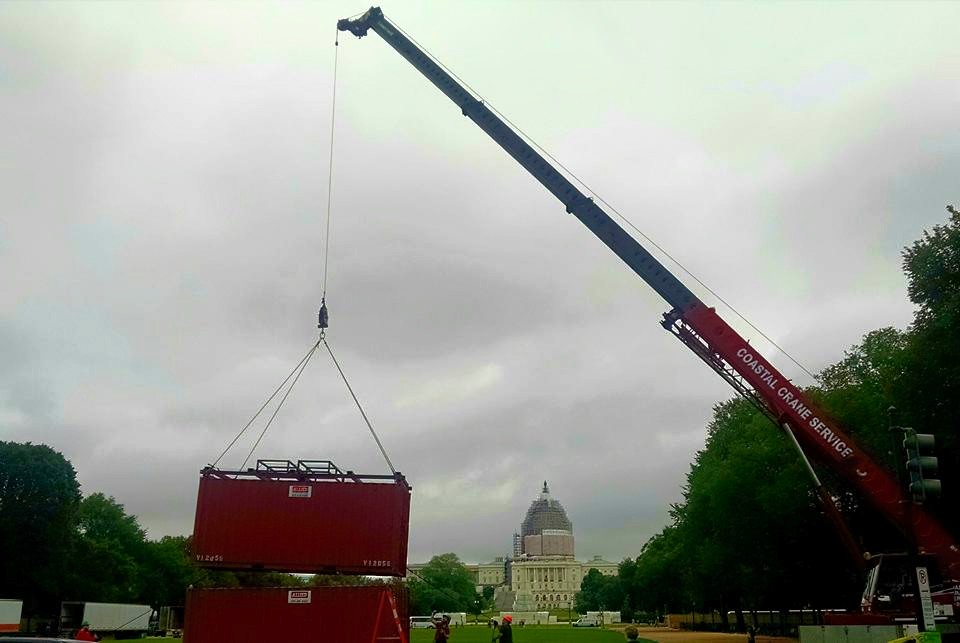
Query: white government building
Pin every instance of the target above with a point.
(543, 572)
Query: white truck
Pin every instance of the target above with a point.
(421, 622)
(10, 615)
(122, 620)
(587, 621)
(597, 619)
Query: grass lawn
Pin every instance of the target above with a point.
(529, 634)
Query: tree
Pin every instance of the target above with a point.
(656, 585)
(39, 498)
(476, 607)
(489, 591)
(111, 551)
(170, 569)
(749, 533)
(932, 403)
(932, 266)
(442, 585)
(323, 580)
(860, 388)
(270, 579)
(599, 592)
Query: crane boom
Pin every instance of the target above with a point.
(690, 320)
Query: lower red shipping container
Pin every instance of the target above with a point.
(304, 615)
(291, 518)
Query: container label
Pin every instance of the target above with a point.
(377, 563)
(298, 596)
(300, 491)
(209, 558)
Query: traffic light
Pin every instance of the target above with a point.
(921, 468)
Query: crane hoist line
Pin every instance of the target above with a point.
(323, 322)
(695, 324)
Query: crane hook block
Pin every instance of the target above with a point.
(323, 319)
(360, 26)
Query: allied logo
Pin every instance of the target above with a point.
(300, 491)
(298, 596)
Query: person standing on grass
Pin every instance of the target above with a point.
(506, 632)
(84, 633)
(441, 629)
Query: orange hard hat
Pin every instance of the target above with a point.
(507, 618)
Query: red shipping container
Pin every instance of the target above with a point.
(302, 521)
(304, 615)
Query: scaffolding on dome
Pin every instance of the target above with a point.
(544, 513)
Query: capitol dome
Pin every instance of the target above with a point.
(545, 513)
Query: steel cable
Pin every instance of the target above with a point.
(280, 405)
(260, 410)
(359, 406)
(599, 198)
(333, 120)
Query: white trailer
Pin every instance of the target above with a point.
(122, 619)
(10, 615)
(457, 619)
(605, 617)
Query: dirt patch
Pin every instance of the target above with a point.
(666, 635)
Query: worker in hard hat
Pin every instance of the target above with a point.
(506, 632)
(84, 633)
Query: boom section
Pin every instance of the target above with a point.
(699, 327)
(575, 201)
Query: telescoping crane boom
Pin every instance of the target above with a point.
(694, 323)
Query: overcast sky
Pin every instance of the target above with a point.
(163, 189)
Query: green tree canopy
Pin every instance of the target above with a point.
(488, 593)
(324, 580)
(39, 499)
(444, 585)
(170, 569)
(599, 592)
(932, 266)
(655, 584)
(931, 402)
(111, 552)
